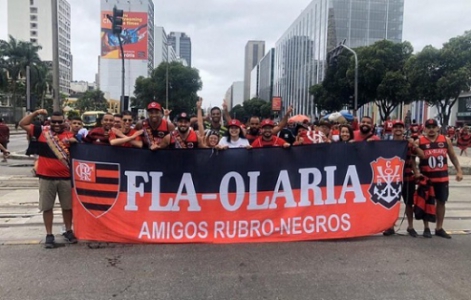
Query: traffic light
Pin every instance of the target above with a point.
(117, 21)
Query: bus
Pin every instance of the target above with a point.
(90, 118)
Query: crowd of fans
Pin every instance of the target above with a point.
(157, 132)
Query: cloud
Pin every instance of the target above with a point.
(220, 29)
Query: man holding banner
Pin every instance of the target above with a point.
(53, 170)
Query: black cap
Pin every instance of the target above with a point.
(183, 116)
(431, 122)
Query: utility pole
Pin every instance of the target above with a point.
(117, 27)
(28, 88)
(55, 58)
(166, 84)
(355, 105)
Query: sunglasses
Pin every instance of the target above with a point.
(430, 126)
(127, 120)
(56, 122)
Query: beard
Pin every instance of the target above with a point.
(183, 129)
(365, 129)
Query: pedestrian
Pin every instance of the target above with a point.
(387, 125)
(156, 127)
(267, 139)
(346, 133)
(464, 140)
(434, 165)
(182, 137)
(126, 136)
(365, 132)
(410, 175)
(53, 171)
(100, 135)
(4, 139)
(234, 137)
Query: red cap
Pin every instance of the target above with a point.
(154, 105)
(267, 122)
(234, 122)
(431, 122)
(398, 122)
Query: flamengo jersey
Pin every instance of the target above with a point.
(435, 163)
(154, 135)
(49, 166)
(190, 142)
(274, 141)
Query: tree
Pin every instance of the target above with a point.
(382, 75)
(15, 56)
(183, 83)
(92, 101)
(439, 76)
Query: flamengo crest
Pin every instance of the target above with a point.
(386, 185)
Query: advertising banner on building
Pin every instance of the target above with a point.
(276, 104)
(134, 36)
(312, 192)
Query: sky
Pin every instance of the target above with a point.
(220, 29)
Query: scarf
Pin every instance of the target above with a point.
(57, 147)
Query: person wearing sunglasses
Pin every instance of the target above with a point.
(434, 165)
(53, 170)
(127, 136)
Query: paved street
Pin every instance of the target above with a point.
(374, 268)
(397, 267)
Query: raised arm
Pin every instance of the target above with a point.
(199, 115)
(225, 112)
(283, 121)
(27, 120)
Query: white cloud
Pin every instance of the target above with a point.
(219, 30)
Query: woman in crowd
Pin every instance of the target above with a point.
(346, 133)
(234, 137)
(464, 140)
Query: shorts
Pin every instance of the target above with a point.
(50, 188)
(441, 191)
(4, 144)
(408, 191)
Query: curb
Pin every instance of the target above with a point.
(20, 157)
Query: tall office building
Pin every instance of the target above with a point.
(163, 51)
(301, 52)
(182, 45)
(254, 51)
(138, 45)
(265, 76)
(235, 94)
(31, 20)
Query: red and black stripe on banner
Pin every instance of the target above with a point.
(98, 189)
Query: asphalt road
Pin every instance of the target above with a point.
(397, 267)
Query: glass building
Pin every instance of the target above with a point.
(301, 53)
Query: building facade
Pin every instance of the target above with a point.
(254, 51)
(182, 45)
(235, 94)
(265, 76)
(31, 21)
(254, 80)
(138, 45)
(301, 52)
(163, 51)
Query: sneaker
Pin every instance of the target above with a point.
(50, 242)
(412, 232)
(389, 232)
(442, 233)
(427, 233)
(70, 237)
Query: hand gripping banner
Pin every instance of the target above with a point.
(312, 192)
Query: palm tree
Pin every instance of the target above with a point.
(15, 57)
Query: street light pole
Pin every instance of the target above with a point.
(55, 58)
(355, 105)
(166, 84)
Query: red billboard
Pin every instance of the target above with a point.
(276, 103)
(133, 37)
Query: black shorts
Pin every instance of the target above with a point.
(408, 190)
(441, 191)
